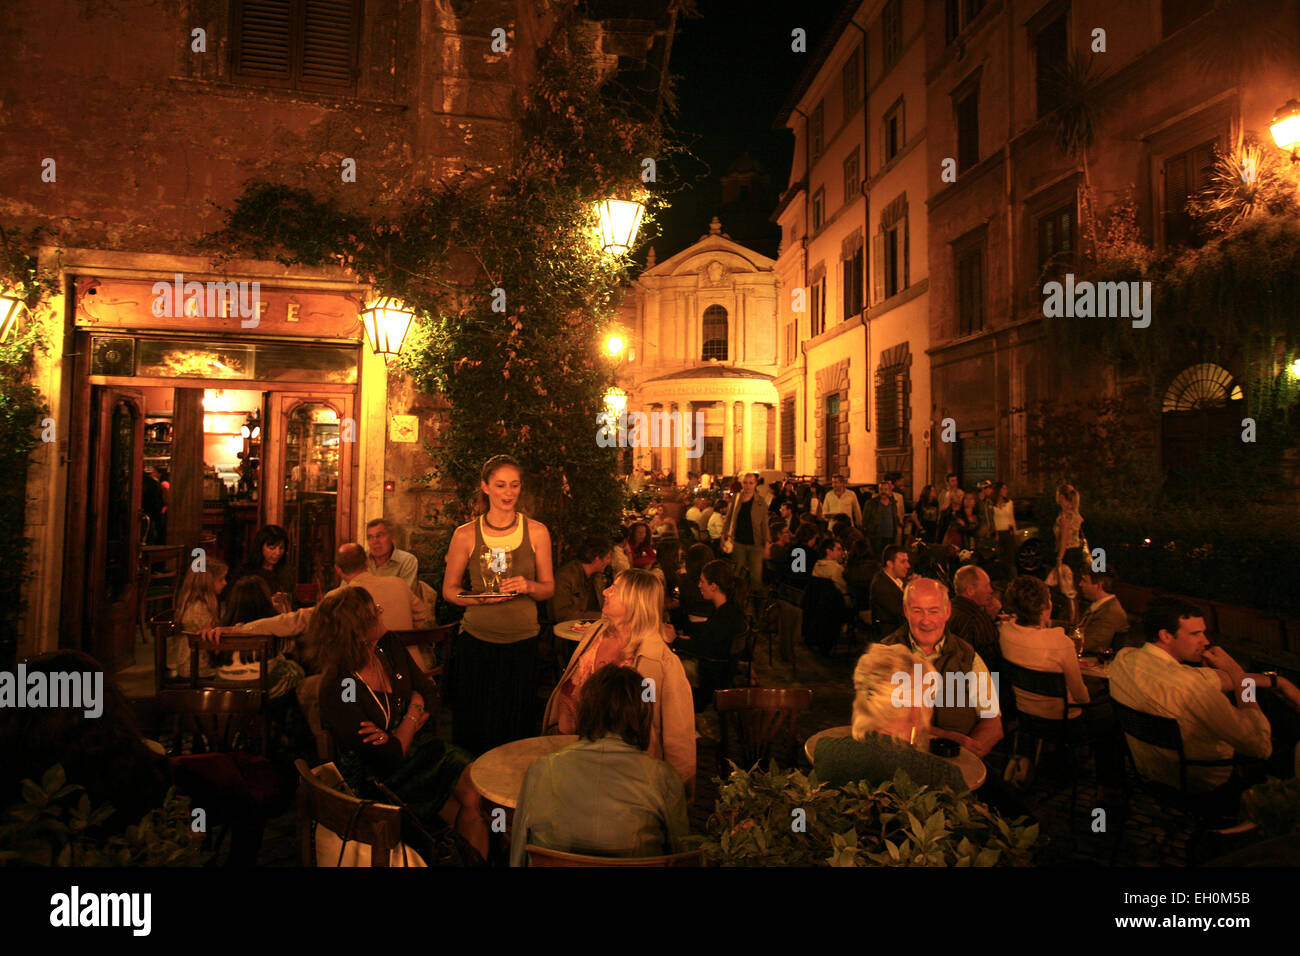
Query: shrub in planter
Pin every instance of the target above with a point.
(786, 818)
(1274, 807)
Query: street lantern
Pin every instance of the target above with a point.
(1286, 128)
(386, 320)
(615, 345)
(10, 306)
(615, 403)
(619, 221)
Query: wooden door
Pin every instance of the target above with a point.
(116, 480)
(309, 447)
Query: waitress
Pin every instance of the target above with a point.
(494, 694)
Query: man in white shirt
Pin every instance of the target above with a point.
(840, 501)
(1155, 679)
(386, 560)
(401, 609)
(718, 520)
(696, 511)
(948, 491)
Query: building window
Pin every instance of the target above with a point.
(967, 115)
(958, 15)
(851, 78)
(1185, 175)
(819, 210)
(818, 303)
(1056, 241)
(1051, 50)
(970, 290)
(893, 387)
(891, 27)
(817, 130)
(891, 251)
(787, 427)
(715, 333)
(853, 276)
(1176, 14)
(851, 179)
(791, 341)
(893, 136)
(297, 44)
(1201, 423)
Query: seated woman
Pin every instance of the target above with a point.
(631, 633)
(695, 607)
(714, 643)
(604, 794)
(830, 565)
(269, 560)
(1027, 640)
(198, 612)
(887, 736)
(372, 700)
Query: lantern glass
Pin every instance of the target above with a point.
(10, 306)
(386, 320)
(615, 402)
(1286, 126)
(619, 221)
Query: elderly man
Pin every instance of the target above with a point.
(840, 501)
(971, 620)
(1104, 619)
(976, 723)
(387, 560)
(402, 610)
(882, 518)
(887, 590)
(747, 530)
(1153, 679)
(696, 511)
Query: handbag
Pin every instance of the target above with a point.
(728, 545)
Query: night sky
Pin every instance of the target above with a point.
(735, 69)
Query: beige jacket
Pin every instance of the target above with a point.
(672, 732)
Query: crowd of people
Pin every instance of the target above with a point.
(673, 599)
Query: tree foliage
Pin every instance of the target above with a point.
(511, 290)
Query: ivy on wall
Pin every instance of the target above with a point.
(511, 290)
(21, 412)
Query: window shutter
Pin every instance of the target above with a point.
(329, 43)
(265, 32)
(907, 254)
(878, 267)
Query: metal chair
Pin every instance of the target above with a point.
(1164, 732)
(539, 856)
(752, 718)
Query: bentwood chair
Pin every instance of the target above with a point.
(1164, 732)
(752, 719)
(321, 803)
(432, 652)
(538, 856)
(161, 570)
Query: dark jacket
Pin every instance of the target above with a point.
(972, 624)
(575, 594)
(957, 657)
(886, 604)
(871, 518)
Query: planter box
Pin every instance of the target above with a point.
(1134, 598)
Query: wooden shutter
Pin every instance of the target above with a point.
(264, 39)
(329, 42)
(877, 267)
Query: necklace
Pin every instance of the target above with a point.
(383, 707)
(506, 528)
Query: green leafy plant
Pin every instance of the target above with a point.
(55, 824)
(786, 818)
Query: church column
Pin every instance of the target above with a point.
(728, 437)
(747, 437)
(679, 438)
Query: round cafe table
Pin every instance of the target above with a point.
(972, 768)
(499, 774)
(1090, 666)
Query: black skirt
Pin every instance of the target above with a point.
(493, 692)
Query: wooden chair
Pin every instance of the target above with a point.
(538, 856)
(377, 824)
(1048, 729)
(1164, 732)
(218, 720)
(162, 627)
(752, 718)
(260, 645)
(437, 641)
(744, 655)
(161, 568)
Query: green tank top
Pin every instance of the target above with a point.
(510, 621)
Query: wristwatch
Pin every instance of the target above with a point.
(1272, 679)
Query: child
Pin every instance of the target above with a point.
(196, 609)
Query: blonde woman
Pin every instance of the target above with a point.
(1069, 531)
(197, 612)
(890, 732)
(630, 633)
